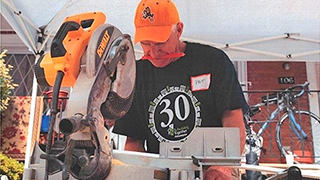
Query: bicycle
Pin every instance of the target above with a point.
(292, 137)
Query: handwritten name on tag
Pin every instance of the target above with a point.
(201, 82)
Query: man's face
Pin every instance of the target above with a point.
(160, 51)
(160, 54)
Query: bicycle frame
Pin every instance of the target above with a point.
(295, 126)
(272, 116)
(292, 121)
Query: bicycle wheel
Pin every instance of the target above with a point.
(289, 142)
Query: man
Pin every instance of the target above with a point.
(179, 86)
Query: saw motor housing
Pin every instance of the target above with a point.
(67, 48)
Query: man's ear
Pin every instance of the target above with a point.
(180, 28)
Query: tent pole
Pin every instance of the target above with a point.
(304, 39)
(305, 53)
(258, 40)
(281, 56)
(221, 46)
(26, 31)
(32, 114)
(232, 46)
(22, 16)
(53, 23)
(45, 41)
(239, 43)
(257, 52)
(31, 120)
(54, 20)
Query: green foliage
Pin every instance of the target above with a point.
(6, 80)
(12, 168)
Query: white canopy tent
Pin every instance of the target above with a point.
(260, 30)
(253, 30)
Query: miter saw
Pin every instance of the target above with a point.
(98, 62)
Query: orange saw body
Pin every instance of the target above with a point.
(68, 47)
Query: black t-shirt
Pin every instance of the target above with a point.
(170, 102)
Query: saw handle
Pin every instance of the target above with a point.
(57, 47)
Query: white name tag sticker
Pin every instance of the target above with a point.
(201, 82)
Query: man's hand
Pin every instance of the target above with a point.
(217, 173)
(134, 145)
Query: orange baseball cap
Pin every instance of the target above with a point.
(154, 20)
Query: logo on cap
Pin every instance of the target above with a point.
(146, 14)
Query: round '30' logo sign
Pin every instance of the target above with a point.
(174, 114)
